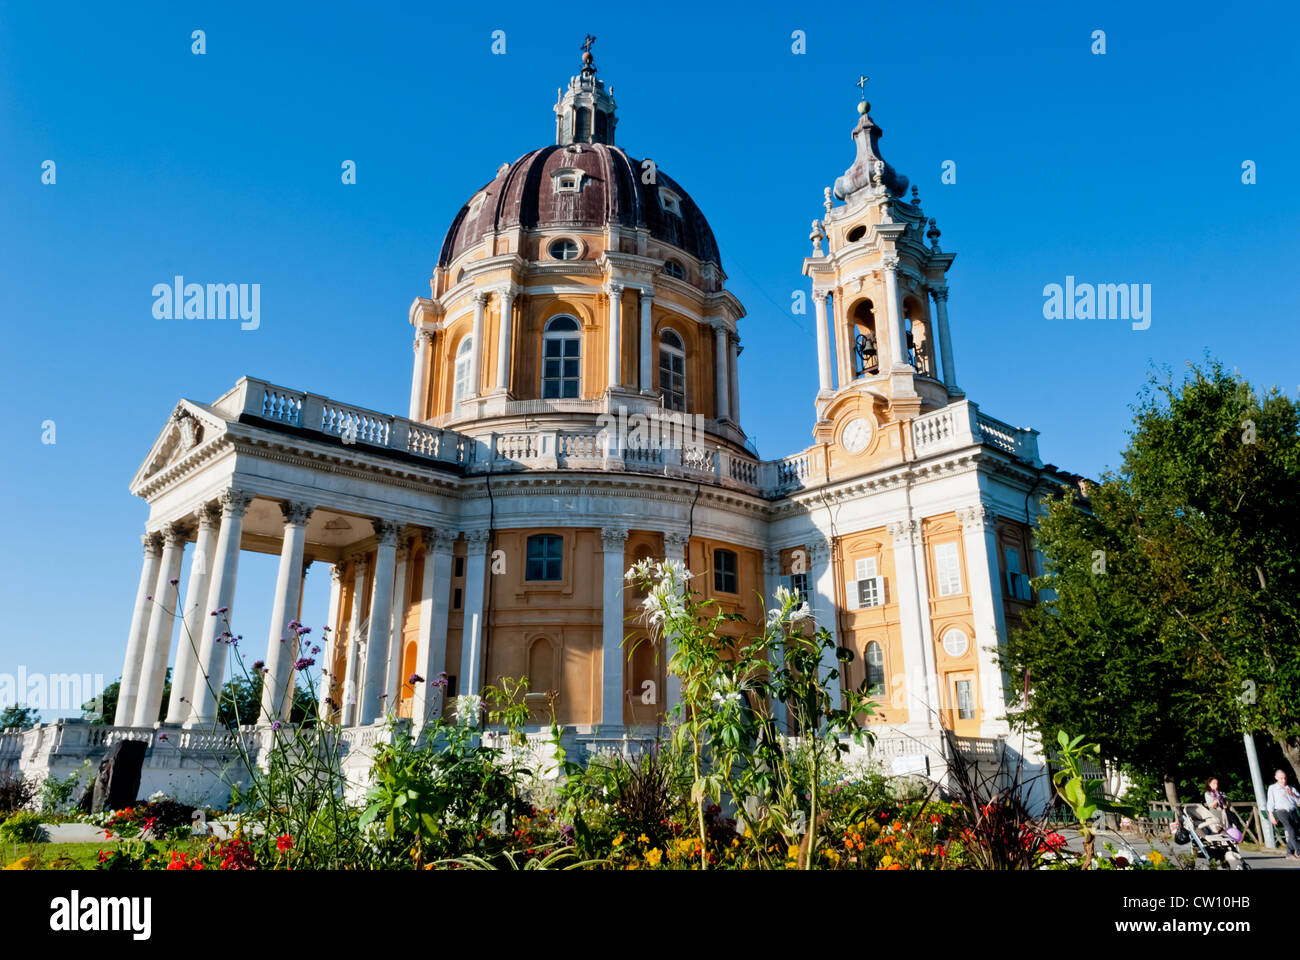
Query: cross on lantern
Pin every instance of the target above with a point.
(862, 85)
(587, 42)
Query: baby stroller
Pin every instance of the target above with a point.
(1205, 832)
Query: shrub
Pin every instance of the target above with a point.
(16, 792)
(22, 827)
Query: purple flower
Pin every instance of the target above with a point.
(302, 663)
(234, 641)
(414, 678)
(174, 580)
(315, 650)
(294, 624)
(326, 629)
(303, 631)
(258, 665)
(150, 597)
(383, 696)
(276, 724)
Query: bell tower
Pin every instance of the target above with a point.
(879, 292)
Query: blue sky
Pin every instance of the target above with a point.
(225, 167)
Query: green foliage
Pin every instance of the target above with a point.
(24, 826)
(1169, 615)
(16, 792)
(19, 717)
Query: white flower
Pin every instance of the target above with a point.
(468, 706)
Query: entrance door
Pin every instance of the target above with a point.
(961, 704)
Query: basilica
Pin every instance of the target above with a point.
(485, 533)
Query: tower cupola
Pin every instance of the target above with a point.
(585, 112)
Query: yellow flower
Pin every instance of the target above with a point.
(23, 863)
(792, 853)
(643, 839)
(1156, 857)
(618, 840)
(653, 857)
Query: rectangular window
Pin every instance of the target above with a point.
(947, 569)
(458, 567)
(799, 585)
(1017, 582)
(455, 599)
(965, 701)
(451, 685)
(724, 571)
(545, 557)
(867, 588)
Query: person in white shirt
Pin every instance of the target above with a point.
(1283, 802)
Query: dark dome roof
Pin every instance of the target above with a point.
(523, 194)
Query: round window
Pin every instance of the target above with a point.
(857, 233)
(955, 643)
(564, 249)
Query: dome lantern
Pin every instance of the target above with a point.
(585, 113)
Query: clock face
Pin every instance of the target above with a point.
(857, 435)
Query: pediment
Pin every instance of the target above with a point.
(187, 429)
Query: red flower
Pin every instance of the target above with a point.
(284, 842)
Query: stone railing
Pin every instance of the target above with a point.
(351, 424)
(961, 424)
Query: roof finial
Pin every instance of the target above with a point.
(587, 58)
(863, 106)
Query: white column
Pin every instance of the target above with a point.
(221, 597)
(420, 375)
(674, 549)
(471, 638)
(940, 295)
(325, 707)
(356, 641)
(612, 655)
(722, 386)
(392, 676)
(897, 328)
(194, 613)
(979, 537)
(823, 342)
(141, 614)
(158, 644)
(507, 300)
(431, 649)
(733, 382)
(282, 643)
(919, 689)
(476, 353)
(772, 580)
(615, 293)
(647, 346)
(825, 609)
(381, 626)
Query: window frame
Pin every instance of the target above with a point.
(674, 352)
(573, 244)
(460, 385)
(545, 559)
(867, 583)
(563, 337)
(944, 578)
(720, 573)
(874, 689)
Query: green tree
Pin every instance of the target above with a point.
(14, 715)
(1169, 613)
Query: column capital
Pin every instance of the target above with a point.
(152, 543)
(678, 541)
(647, 294)
(477, 539)
(386, 531)
(506, 292)
(175, 534)
(613, 538)
(296, 513)
(423, 338)
(614, 288)
(977, 516)
(480, 298)
(336, 575)
(940, 294)
(821, 293)
(438, 539)
(209, 515)
(904, 532)
(234, 502)
(404, 546)
(889, 263)
(361, 559)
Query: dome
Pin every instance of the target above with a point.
(584, 182)
(609, 189)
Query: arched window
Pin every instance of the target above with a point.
(674, 269)
(561, 356)
(461, 389)
(875, 658)
(544, 557)
(919, 348)
(564, 249)
(866, 358)
(672, 370)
